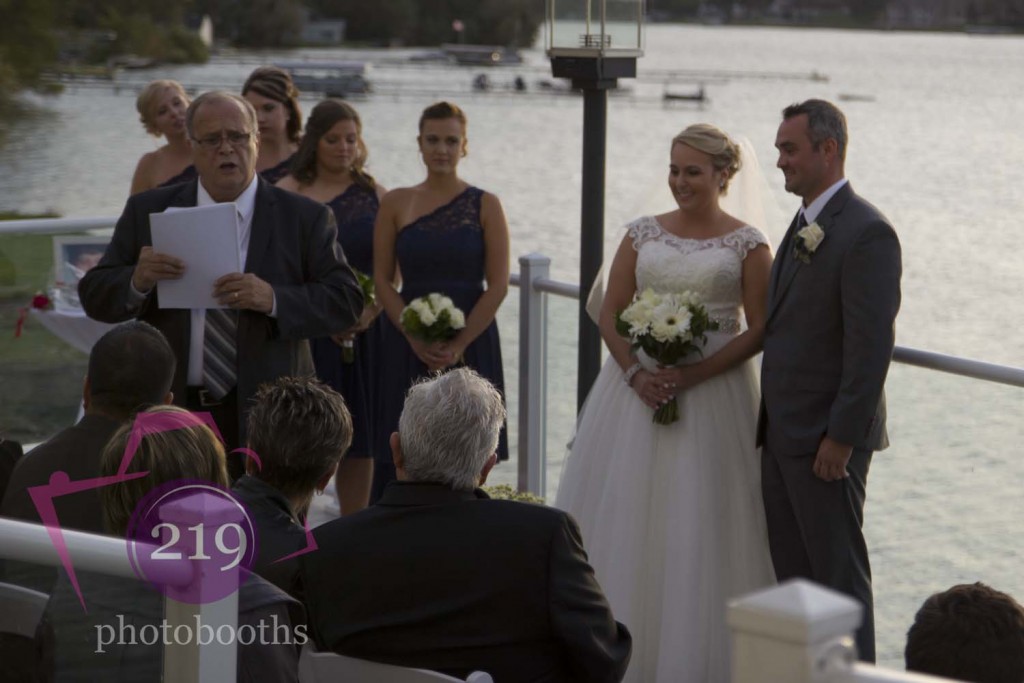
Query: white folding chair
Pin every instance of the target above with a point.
(20, 609)
(328, 667)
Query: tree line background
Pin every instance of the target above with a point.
(37, 34)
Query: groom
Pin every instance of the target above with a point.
(832, 301)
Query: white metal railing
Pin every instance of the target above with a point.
(190, 661)
(534, 284)
(54, 226)
(800, 632)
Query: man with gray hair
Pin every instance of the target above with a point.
(294, 282)
(465, 583)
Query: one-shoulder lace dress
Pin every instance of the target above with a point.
(442, 251)
(355, 211)
(672, 515)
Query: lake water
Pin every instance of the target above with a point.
(935, 143)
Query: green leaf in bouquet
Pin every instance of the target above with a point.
(366, 284)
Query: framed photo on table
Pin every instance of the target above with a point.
(73, 257)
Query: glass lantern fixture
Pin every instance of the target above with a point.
(594, 40)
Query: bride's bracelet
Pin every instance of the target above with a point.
(631, 373)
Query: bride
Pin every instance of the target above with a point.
(671, 516)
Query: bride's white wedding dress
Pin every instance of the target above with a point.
(672, 516)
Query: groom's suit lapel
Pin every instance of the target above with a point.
(784, 268)
(787, 265)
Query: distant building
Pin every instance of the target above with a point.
(322, 31)
(924, 14)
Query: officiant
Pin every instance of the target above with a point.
(295, 282)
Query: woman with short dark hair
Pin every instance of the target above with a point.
(275, 98)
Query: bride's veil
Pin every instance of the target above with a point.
(749, 199)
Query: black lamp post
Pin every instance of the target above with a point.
(594, 43)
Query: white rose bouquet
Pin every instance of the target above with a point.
(667, 327)
(432, 318)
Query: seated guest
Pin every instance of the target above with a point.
(970, 632)
(463, 583)
(183, 448)
(130, 367)
(299, 429)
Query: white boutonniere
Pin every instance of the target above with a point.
(807, 241)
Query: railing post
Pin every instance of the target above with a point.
(533, 343)
(796, 632)
(200, 660)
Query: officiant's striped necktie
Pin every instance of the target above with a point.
(220, 351)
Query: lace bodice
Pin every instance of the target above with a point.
(444, 251)
(355, 210)
(712, 268)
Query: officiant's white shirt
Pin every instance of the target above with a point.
(811, 212)
(245, 205)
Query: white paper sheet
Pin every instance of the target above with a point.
(206, 239)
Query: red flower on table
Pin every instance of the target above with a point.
(40, 301)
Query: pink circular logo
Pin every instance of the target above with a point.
(192, 529)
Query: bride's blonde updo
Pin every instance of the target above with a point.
(725, 154)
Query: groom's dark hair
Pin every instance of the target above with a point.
(824, 121)
(970, 632)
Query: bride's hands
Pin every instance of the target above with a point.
(678, 379)
(652, 392)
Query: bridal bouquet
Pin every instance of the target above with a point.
(432, 318)
(348, 353)
(667, 327)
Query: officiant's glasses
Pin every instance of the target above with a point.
(213, 142)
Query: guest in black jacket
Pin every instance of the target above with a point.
(130, 367)
(437, 576)
(299, 429)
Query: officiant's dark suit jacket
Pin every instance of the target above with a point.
(292, 247)
(830, 332)
(455, 582)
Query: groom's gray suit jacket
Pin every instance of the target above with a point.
(830, 333)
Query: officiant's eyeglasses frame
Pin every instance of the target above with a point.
(235, 138)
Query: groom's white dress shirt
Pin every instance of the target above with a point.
(811, 212)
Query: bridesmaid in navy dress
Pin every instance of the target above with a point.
(330, 168)
(275, 98)
(162, 106)
(444, 236)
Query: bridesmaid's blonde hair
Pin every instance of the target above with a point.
(725, 154)
(146, 102)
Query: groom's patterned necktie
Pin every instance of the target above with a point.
(801, 223)
(790, 261)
